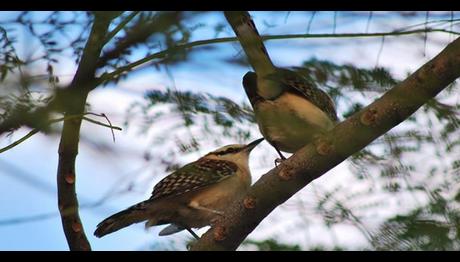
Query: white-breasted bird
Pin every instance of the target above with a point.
(289, 108)
(193, 196)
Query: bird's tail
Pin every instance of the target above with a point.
(129, 216)
(251, 41)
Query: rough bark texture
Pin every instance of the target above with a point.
(315, 159)
(82, 83)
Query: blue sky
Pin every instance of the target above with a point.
(27, 172)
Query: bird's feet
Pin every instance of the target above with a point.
(278, 161)
(217, 220)
(192, 233)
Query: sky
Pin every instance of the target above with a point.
(27, 172)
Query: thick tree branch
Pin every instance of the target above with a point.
(82, 83)
(315, 159)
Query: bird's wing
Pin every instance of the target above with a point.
(250, 86)
(292, 80)
(196, 175)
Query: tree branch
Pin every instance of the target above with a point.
(19, 141)
(19, 119)
(82, 83)
(162, 54)
(315, 159)
(120, 26)
(138, 33)
(68, 117)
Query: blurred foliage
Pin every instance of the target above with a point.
(274, 245)
(22, 107)
(51, 36)
(339, 82)
(419, 159)
(223, 110)
(387, 156)
(8, 57)
(435, 226)
(149, 32)
(271, 245)
(203, 115)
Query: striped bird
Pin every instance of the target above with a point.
(193, 196)
(289, 108)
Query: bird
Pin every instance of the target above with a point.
(289, 108)
(191, 197)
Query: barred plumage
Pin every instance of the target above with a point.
(296, 83)
(193, 176)
(289, 108)
(192, 196)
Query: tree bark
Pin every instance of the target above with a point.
(82, 83)
(315, 159)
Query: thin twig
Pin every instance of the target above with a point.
(451, 25)
(162, 54)
(99, 123)
(36, 130)
(19, 141)
(426, 33)
(369, 21)
(424, 24)
(310, 21)
(110, 123)
(31, 133)
(120, 26)
(335, 22)
(286, 17)
(380, 52)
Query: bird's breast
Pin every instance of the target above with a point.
(216, 197)
(290, 121)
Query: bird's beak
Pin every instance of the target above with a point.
(253, 144)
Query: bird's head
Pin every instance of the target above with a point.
(238, 153)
